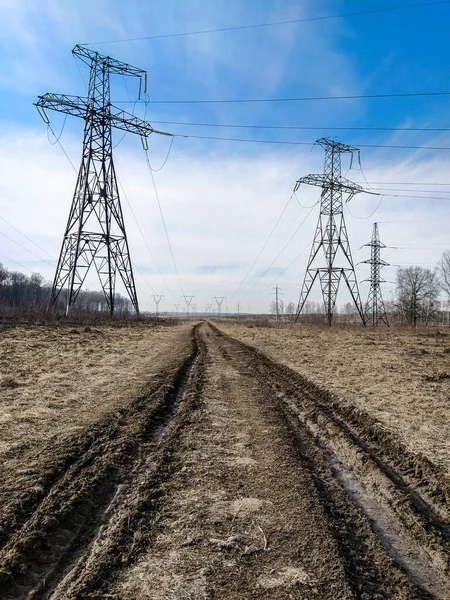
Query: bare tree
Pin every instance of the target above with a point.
(443, 268)
(417, 292)
(290, 310)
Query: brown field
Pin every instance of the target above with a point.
(399, 376)
(194, 462)
(56, 381)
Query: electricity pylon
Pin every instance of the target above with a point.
(95, 232)
(331, 233)
(157, 298)
(375, 310)
(277, 293)
(219, 300)
(188, 300)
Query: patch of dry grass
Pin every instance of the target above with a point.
(56, 381)
(399, 376)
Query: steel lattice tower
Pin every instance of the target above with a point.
(95, 233)
(375, 310)
(331, 233)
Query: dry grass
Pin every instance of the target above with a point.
(401, 377)
(56, 381)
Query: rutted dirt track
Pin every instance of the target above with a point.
(233, 477)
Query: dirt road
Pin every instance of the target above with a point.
(234, 477)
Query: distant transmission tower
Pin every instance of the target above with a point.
(331, 233)
(157, 298)
(188, 300)
(219, 300)
(374, 309)
(95, 233)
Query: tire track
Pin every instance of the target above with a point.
(127, 453)
(413, 531)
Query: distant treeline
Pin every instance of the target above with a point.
(24, 295)
(416, 302)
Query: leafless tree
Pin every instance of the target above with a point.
(443, 268)
(290, 310)
(417, 292)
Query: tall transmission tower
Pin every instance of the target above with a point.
(95, 232)
(375, 310)
(331, 233)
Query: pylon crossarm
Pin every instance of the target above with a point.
(127, 122)
(78, 106)
(326, 181)
(69, 105)
(115, 66)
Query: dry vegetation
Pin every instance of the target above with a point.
(56, 381)
(400, 376)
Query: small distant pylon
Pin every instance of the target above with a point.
(331, 233)
(375, 310)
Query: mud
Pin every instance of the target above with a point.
(232, 477)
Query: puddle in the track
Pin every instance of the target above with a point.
(402, 547)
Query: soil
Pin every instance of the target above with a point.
(398, 376)
(229, 476)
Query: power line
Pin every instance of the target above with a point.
(382, 190)
(280, 252)
(61, 146)
(275, 226)
(284, 270)
(368, 216)
(145, 240)
(26, 249)
(299, 99)
(164, 222)
(302, 127)
(263, 246)
(416, 197)
(292, 143)
(16, 263)
(143, 277)
(405, 183)
(270, 24)
(26, 237)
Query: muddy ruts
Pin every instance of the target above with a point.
(423, 485)
(314, 422)
(45, 544)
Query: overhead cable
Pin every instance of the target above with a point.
(270, 24)
(292, 143)
(144, 240)
(163, 221)
(280, 252)
(301, 127)
(299, 98)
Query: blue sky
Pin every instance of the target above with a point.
(221, 199)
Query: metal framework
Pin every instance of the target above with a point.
(219, 301)
(95, 233)
(157, 298)
(375, 310)
(331, 233)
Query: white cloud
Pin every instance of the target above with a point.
(218, 212)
